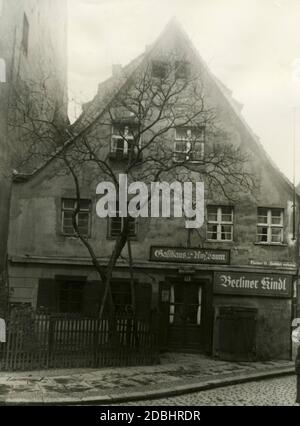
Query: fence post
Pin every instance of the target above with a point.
(50, 340)
(96, 342)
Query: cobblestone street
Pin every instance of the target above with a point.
(273, 392)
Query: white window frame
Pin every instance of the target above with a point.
(269, 225)
(69, 210)
(189, 142)
(125, 138)
(219, 223)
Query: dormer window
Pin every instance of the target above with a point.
(189, 144)
(159, 69)
(182, 70)
(123, 138)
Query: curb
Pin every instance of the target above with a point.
(156, 394)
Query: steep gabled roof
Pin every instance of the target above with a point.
(108, 89)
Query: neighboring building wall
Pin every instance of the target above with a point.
(33, 49)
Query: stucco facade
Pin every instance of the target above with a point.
(39, 252)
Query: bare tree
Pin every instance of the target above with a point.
(129, 128)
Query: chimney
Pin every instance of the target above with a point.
(116, 70)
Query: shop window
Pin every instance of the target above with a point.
(269, 225)
(182, 70)
(71, 297)
(124, 141)
(64, 295)
(83, 218)
(159, 69)
(25, 36)
(189, 144)
(220, 223)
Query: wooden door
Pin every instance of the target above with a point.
(186, 330)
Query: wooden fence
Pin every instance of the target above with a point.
(37, 341)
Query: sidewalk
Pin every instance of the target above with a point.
(177, 374)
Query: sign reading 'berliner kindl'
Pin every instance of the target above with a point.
(272, 285)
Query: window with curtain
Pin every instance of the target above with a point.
(270, 225)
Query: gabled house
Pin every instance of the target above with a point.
(230, 292)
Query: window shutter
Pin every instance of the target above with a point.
(92, 297)
(143, 297)
(47, 300)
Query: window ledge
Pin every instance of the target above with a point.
(271, 244)
(109, 238)
(74, 237)
(231, 242)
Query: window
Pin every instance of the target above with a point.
(189, 144)
(121, 294)
(159, 69)
(25, 38)
(269, 225)
(71, 297)
(220, 223)
(182, 70)
(116, 225)
(83, 218)
(122, 140)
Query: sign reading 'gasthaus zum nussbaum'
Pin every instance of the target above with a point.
(272, 285)
(189, 255)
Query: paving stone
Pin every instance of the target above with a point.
(175, 370)
(274, 392)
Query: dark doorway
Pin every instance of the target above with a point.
(187, 315)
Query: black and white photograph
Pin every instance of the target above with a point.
(149, 206)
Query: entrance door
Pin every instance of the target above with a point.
(186, 317)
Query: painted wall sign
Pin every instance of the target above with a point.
(274, 263)
(272, 285)
(192, 255)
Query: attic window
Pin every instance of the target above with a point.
(159, 69)
(182, 69)
(123, 140)
(189, 144)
